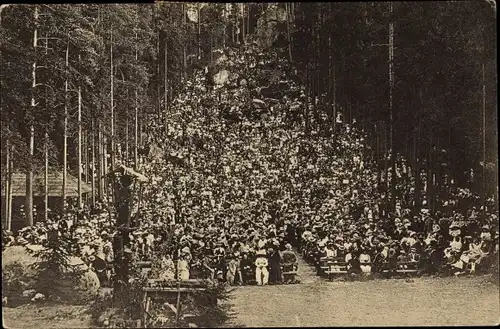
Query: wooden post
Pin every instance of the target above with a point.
(178, 303)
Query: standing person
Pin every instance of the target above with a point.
(246, 268)
(299, 230)
(275, 266)
(233, 269)
(261, 272)
(166, 268)
(183, 265)
(290, 231)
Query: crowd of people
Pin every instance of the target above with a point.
(237, 181)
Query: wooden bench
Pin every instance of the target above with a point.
(336, 266)
(401, 268)
(324, 263)
(145, 266)
(407, 267)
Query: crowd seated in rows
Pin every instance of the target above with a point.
(237, 181)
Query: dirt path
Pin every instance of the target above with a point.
(316, 302)
(34, 316)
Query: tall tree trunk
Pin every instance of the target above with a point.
(391, 109)
(248, 19)
(105, 169)
(127, 133)
(199, 31)
(330, 69)
(165, 83)
(46, 180)
(386, 167)
(80, 203)
(136, 108)
(349, 111)
(7, 184)
(287, 7)
(243, 34)
(158, 73)
(29, 174)
(86, 160)
(430, 166)
(100, 159)
(334, 101)
(184, 52)
(9, 190)
(112, 101)
(224, 32)
(65, 138)
(377, 154)
(211, 49)
(483, 174)
(436, 177)
(93, 172)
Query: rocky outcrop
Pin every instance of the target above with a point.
(20, 275)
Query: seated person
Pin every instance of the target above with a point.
(289, 259)
(365, 261)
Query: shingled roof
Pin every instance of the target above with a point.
(55, 185)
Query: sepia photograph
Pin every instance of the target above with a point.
(175, 164)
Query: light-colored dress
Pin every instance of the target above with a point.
(183, 269)
(167, 270)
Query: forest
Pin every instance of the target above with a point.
(79, 82)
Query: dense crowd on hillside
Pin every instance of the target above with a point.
(236, 184)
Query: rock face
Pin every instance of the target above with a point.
(267, 25)
(221, 77)
(17, 269)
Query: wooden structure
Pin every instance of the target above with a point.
(53, 192)
(169, 293)
(55, 184)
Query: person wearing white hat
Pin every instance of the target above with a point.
(183, 264)
(261, 271)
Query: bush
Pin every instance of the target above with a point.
(55, 273)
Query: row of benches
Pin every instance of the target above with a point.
(337, 265)
(288, 271)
